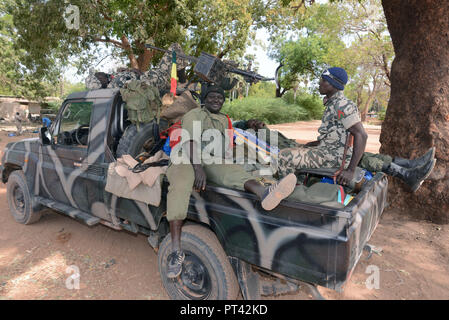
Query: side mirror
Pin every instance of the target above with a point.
(45, 136)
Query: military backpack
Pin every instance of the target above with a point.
(142, 102)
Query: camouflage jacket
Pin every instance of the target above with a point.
(340, 115)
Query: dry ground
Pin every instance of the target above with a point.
(34, 259)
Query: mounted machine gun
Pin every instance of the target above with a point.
(211, 69)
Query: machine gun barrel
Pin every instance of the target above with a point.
(251, 75)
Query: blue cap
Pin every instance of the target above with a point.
(337, 77)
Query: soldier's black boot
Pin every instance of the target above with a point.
(407, 163)
(413, 177)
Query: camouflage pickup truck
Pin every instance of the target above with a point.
(232, 245)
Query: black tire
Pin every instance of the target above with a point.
(206, 271)
(132, 142)
(19, 199)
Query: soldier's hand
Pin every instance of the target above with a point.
(345, 177)
(200, 178)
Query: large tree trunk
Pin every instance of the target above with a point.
(418, 111)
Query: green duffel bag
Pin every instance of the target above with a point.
(142, 102)
(319, 193)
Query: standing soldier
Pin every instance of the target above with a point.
(160, 75)
(18, 120)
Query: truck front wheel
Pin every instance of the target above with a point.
(19, 199)
(206, 271)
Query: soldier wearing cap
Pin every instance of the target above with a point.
(341, 118)
(194, 173)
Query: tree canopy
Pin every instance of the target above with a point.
(15, 77)
(221, 27)
(349, 34)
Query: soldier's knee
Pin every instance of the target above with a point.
(181, 178)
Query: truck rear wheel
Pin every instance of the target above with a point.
(19, 199)
(206, 271)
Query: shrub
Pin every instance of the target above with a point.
(54, 106)
(269, 110)
(312, 104)
(263, 90)
(309, 102)
(381, 114)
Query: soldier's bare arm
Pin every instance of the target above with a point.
(360, 138)
(200, 174)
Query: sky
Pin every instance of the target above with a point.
(267, 66)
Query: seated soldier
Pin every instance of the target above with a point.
(256, 125)
(196, 173)
(340, 118)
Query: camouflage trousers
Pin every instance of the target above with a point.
(374, 162)
(292, 159)
(283, 141)
(182, 177)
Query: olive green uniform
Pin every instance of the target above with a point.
(182, 176)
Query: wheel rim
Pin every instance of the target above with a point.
(18, 200)
(194, 281)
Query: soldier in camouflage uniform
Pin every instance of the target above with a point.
(327, 152)
(123, 76)
(160, 75)
(92, 82)
(341, 117)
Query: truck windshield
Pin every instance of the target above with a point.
(76, 114)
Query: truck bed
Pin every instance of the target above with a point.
(308, 242)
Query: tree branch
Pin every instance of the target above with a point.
(127, 47)
(114, 42)
(104, 8)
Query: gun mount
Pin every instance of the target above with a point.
(211, 69)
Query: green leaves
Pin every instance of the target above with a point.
(268, 110)
(346, 34)
(224, 28)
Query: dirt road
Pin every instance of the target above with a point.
(37, 260)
